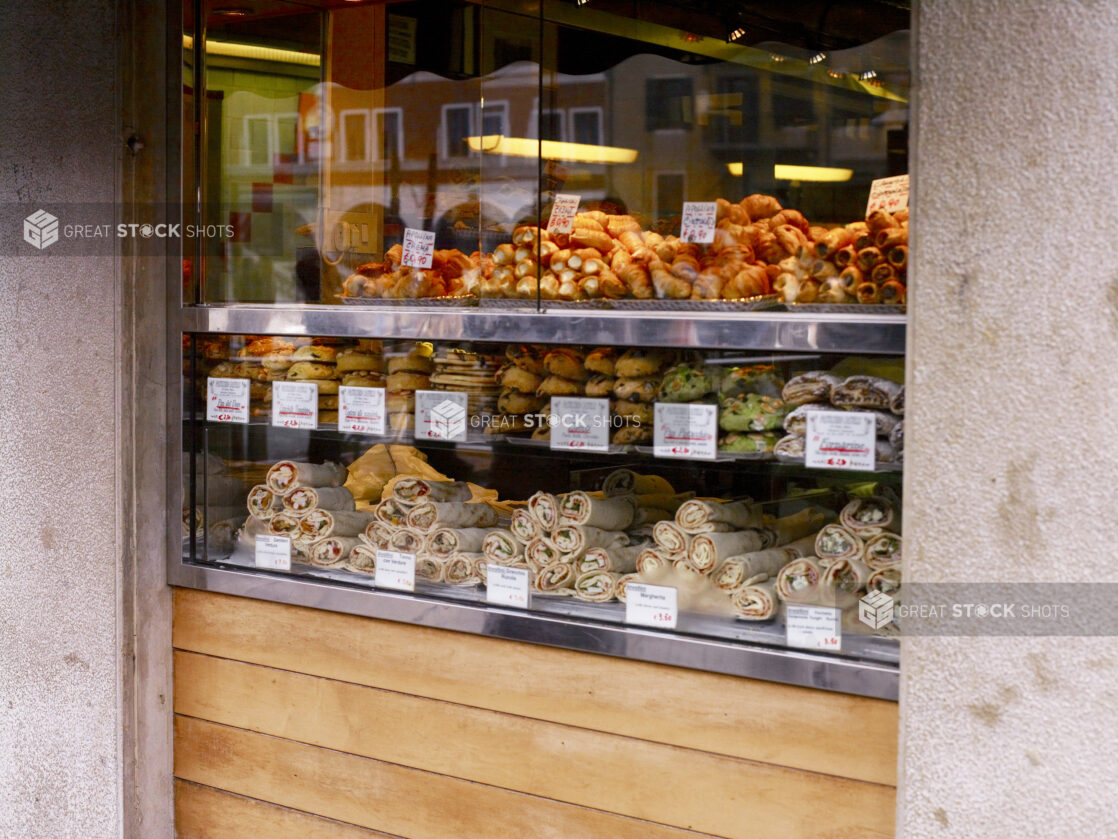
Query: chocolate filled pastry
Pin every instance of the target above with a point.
(637, 390)
(408, 381)
(868, 292)
(363, 378)
(894, 293)
(310, 370)
(351, 360)
(639, 361)
(399, 401)
(517, 378)
(602, 360)
(633, 412)
(323, 355)
(566, 362)
(600, 386)
(559, 386)
(867, 259)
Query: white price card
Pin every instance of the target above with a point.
(647, 605)
(227, 400)
(295, 405)
(562, 218)
(689, 431)
(440, 415)
(395, 570)
(419, 248)
(698, 221)
(840, 440)
(813, 627)
(889, 194)
(273, 552)
(580, 424)
(506, 586)
(361, 409)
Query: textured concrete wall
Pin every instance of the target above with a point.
(60, 534)
(1012, 455)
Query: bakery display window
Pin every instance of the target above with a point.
(576, 323)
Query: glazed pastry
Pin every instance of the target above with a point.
(637, 390)
(602, 360)
(637, 362)
(327, 386)
(363, 379)
(278, 361)
(752, 412)
(401, 422)
(310, 370)
(261, 347)
(517, 378)
(566, 362)
(323, 355)
(326, 405)
(815, 386)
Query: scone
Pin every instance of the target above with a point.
(324, 355)
(302, 370)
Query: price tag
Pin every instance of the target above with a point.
(580, 424)
(227, 400)
(361, 409)
(698, 221)
(440, 415)
(419, 248)
(889, 194)
(813, 627)
(562, 218)
(506, 586)
(689, 431)
(273, 552)
(647, 605)
(295, 405)
(840, 440)
(395, 570)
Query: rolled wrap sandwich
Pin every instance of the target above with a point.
(263, 503)
(671, 537)
(651, 560)
(431, 515)
(799, 581)
(541, 551)
(842, 580)
(869, 514)
(616, 513)
(362, 559)
(318, 524)
(377, 535)
(756, 600)
(302, 500)
(883, 550)
(524, 525)
(735, 570)
(412, 491)
(447, 541)
(703, 516)
(574, 540)
(708, 550)
(837, 542)
(596, 586)
(628, 482)
(288, 474)
(407, 540)
(623, 560)
(502, 547)
(460, 570)
(554, 578)
(545, 508)
(332, 550)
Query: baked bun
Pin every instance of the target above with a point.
(406, 380)
(352, 359)
(301, 370)
(323, 355)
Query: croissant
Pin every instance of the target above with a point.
(751, 281)
(759, 206)
(815, 232)
(832, 241)
(792, 217)
(616, 225)
(393, 257)
(685, 267)
(868, 258)
(708, 286)
(869, 292)
(586, 221)
(790, 237)
(354, 286)
(665, 249)
(585, 238)
(637, 280)
(610, 284)
(666, 284)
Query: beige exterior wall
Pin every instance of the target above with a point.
(1012, 453)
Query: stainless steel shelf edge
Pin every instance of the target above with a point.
(765, 331)
(785, 666)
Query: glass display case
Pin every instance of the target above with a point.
(580, 323)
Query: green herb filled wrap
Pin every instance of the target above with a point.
(752, 412)
(687, 383)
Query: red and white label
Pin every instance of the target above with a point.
(813, 627)
(647, 605)
(889, 194)
(698, 221)
(419, 248)
(506, 586)
(841, 440)
(562, 218)
(579, 424)
(227, 400)
(688, 431)
(295, 405)
(361, 409)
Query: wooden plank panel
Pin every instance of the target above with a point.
(370, 793)
(710, 792)
(207, 813)
(837, 734)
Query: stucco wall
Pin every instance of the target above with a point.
(1012, 456)
(60, 539)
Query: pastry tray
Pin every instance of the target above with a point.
(425, 302)
(846, 308)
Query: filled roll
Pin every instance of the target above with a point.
(263, 503)
(332, 550)
(574, 540)
(709, 550)
(377, 535)
(615, 513)
(430, 515)
(362, 559)
(412, 491)
(869, 514)
(284, 524)
(545, 508)
(501, 547)
(814, 386)
(883, 551)
(318, 524)
(799, 581)
(843, 579)
(865, 392)
(671, 537)
(391, 512)
(429, 568)
(525, 526)
(304, 499)
(446, 541)
(407, 540)
(460, 570)
(541, 551)
(732, 573)
(622, 560)
(756, 600)
(554, 577)
(837, 542)
(807, 521)
(288, 474)
(650, 560)
(701, 516)
(596, 586)
(887, 580)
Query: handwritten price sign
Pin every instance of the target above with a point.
(562, 218)
(361, 409)
(227, 400)
(419, 248)
(841, 440)
(687, 431)
(295, 405)
(889, 194)
(698, 221)
(580, 424)
(813, 627)
(395, 570)
(647, 605)
(507, 586)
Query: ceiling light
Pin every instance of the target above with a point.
(550, 149)
(737, 34)
(582, 2)
(784, 172)
(869, 74)
(252, 51)
(815, 59)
